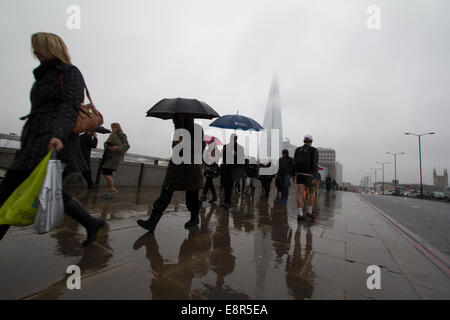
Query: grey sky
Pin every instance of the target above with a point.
(354, 89)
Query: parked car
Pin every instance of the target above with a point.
(438, 195)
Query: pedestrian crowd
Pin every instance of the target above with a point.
(55, 104)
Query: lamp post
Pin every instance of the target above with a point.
(382, 172)
(395, 168)
(420, 157)
(375, 169)
(370, 178)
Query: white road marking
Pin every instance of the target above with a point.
(416, 207)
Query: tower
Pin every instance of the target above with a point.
(272, 117)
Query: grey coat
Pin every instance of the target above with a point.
(113, 157)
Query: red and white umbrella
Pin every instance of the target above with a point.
(210, 139)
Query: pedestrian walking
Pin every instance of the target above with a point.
(266, 180)
(115, 148)
(306, 161)
(334, 185)
(328, 183)
(88, 141)
(180, 177)
(251, 173)
(54, 110)
(233, 159)
(285, 171)
(211, 171)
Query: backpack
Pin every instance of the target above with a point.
(302, 159)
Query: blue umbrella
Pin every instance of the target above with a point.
(236, 122)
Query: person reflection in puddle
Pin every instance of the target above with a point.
(191, 250)
(298, 268)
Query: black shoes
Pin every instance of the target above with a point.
(203, 198)
(226, 205)
(311, 216)
(192, 222)
(92, 230)
(213, 200)
(151, 223)
(300, 218)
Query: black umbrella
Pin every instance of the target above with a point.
(166, 108)
(102, 129)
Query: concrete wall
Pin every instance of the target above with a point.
(128, 174)
(7, 157)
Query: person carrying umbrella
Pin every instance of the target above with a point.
(183, 176)
(233, 160)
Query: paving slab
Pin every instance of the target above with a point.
(255, 250)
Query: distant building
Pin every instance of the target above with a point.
(441, 181)
(272, 117)
(327, 158)
(339, 172)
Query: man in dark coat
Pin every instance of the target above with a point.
(181, 177)
(285, 169)
(233, 158)
(306, 167)
(328, 183)
(88, 141)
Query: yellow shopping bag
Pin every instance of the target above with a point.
(21, 206)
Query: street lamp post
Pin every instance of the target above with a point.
(420, 157)
(382, 172)
(395, 168)
(375, 169)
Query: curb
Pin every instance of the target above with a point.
(438, 258)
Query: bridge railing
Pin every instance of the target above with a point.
(8, 149)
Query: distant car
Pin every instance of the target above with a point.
(427, 194)
(438, 195)
(413, 194)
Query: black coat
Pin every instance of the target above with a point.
(187, 177)
(87, 143)
(235, 169)
(52, 115)
(314, 164)
(285, 166)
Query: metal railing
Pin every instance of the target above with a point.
(96, 153)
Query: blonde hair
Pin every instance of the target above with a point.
(116, 125)
(50, 46)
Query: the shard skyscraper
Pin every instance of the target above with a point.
(272, 117)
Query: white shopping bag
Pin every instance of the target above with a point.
(50, 212)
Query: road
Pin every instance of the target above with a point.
(428, 219)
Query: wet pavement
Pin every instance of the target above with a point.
(254, 250)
